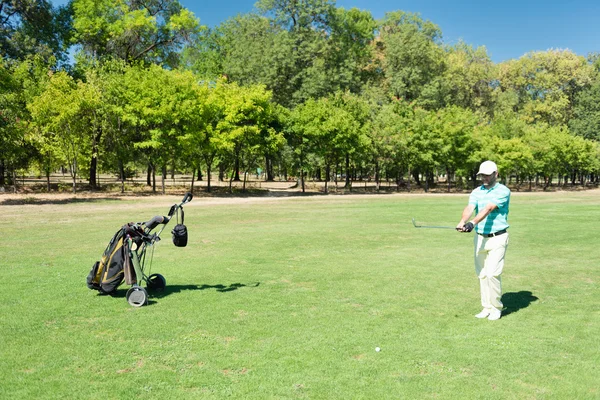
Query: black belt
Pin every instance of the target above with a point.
(502, 232)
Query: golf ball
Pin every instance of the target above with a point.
(377, 349)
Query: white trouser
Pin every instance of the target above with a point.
(489, 262)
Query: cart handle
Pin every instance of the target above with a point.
(157, 220)
(187, 198)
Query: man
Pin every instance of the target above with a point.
(490, 203)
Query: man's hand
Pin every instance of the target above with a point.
(468, 227)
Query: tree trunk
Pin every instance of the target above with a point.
(302, 171)
(231, 181)
(221, 172)
(208, 168)
(192, 185)
(2, 172)
(122, 175)
(327, 174)
(415, 175)
(14, 179)
(377, 177)
(270, 175)
(48, 179)
(530, 182)
(149, 175)
(153, 178)
(74, 175)
(236, 168)
(163, 177)
(347, 185)
(547, 182)
(93, 169)
(94, 162)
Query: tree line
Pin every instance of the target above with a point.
(300, 89)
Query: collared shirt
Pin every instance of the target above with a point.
(497, 219)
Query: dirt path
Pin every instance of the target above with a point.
(33, 199)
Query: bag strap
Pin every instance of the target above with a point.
(182, 215)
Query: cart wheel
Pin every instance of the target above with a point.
(156, 282)
(137, 296)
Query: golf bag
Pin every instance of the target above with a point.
(115, 265)
(124, 258)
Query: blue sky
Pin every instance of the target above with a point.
(508, 29)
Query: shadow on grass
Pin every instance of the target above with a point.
(515, 301)
(35, 201)
(171, 289)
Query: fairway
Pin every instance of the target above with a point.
(287, 298)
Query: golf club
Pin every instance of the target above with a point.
(431, 226)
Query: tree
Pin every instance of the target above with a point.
(246, 128)
(454, 126)
(332, 129)
(66, 114)
(388, 134)
(350, 53)
(132, 31)
(468, 77)
(413, 59)
(509, 149)
(586, 113)
(545, 84)
(11, 124)
(34, 27)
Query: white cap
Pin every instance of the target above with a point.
(487, 168)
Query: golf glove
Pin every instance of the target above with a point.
(468, 227)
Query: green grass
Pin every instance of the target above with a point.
(288, 298)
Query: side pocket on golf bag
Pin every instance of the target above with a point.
(180, 234)
(107, 274)
(92, 278)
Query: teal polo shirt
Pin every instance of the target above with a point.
(497, 219)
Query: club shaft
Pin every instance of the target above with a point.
(430, 226)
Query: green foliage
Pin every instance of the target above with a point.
(304, 84)
(467, 78)
(586, 113)
(546, 84)
(34, 27)
(151, 31)
(67, 113)
(413, 60)
(14, 142)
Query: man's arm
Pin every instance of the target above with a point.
(466, 214)
(484, 213)
(478, 218)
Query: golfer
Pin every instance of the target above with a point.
(490, 203)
